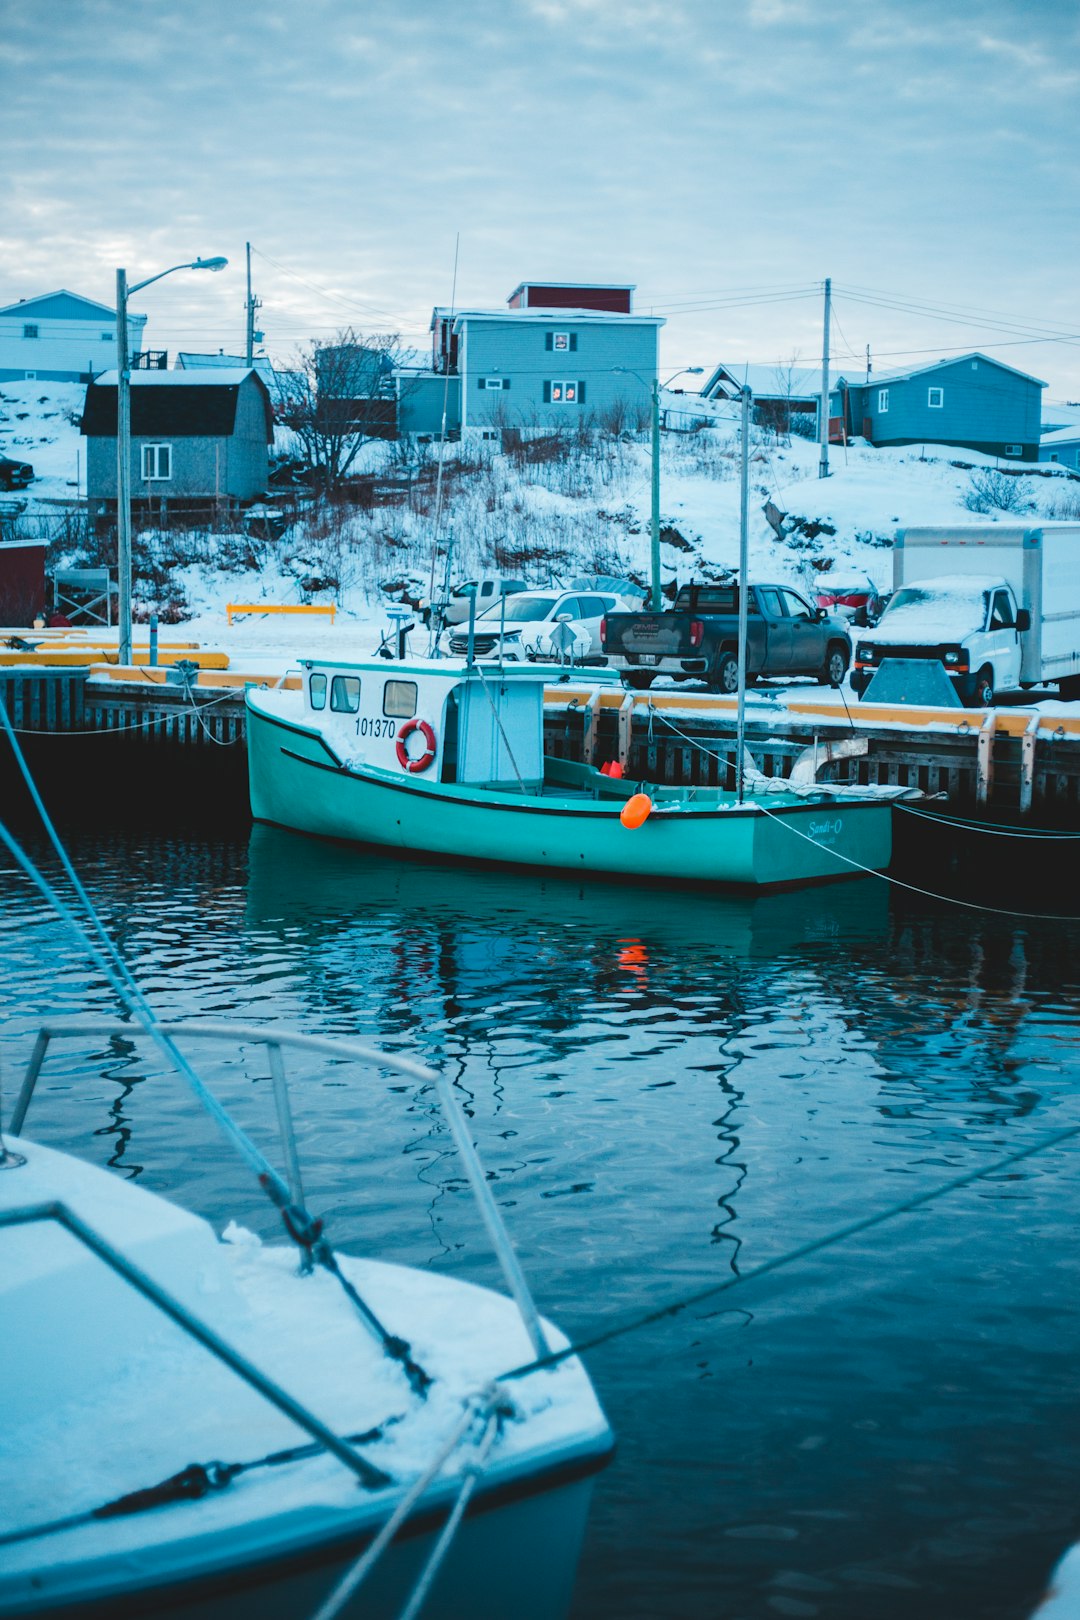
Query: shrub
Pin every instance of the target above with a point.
(992, 491)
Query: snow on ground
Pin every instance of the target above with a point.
(561, 517)
(36, 426)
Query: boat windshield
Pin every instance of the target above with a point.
(521, 609)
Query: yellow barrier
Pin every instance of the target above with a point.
(267, 607)
(206, 678)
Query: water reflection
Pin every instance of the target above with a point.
(666, 1089)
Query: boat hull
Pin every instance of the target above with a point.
(297, 782)
(510, 1557)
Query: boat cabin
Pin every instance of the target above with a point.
(440, 719)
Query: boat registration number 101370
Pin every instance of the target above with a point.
(366, 726)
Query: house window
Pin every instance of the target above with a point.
(560, 342)
(30, 376)
(882, 401)
(345, 694)
(317, 691)
(156, 462)
(399, 700)
(1053, 455)
(494, 382)
(1014, 450)
(106, 337)
(974, 365)
(30, 330)
(935, 398)
(564, 393)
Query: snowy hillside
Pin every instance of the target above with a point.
(565, 507)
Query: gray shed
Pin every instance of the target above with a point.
(199, 439)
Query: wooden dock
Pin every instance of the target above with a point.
(1011, 763)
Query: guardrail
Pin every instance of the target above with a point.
(269, 607)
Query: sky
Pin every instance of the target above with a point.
(723, 155)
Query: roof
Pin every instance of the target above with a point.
(1065, 435)
(578, 316)
(60, 305)
(778, 381)
(187, 361)
(947, 360)
(184, 404)
(1060, 414)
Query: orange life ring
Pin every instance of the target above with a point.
(423, 761)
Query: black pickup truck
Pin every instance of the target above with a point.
(697, 639)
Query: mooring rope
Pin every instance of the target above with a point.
(886, 877)
(1049, 835)
(804, 1251)
(306, 1230)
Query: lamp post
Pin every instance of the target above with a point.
(123, 437)
(654, 519)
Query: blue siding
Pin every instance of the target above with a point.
(420, 403)
(1066, 451)
(984, 407)
(515, 352)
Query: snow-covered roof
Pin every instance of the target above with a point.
(214, 377)
(770, 382)
(556, 316)
(1064, 435)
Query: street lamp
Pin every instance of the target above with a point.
(654, 526)
(123, 437)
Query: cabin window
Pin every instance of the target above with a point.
(156, 462)
(796, 607)
(1001, 613)
(935, 398)
(317, 691)
(882, 401)
(1014, 449)
(30, 330)
(345, 694)
(399, 700)
(771, 602)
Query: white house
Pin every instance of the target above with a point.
(61, 337)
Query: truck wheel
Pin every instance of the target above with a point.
(834, 668)
(982, 689)
(726, 675)
(638, 680)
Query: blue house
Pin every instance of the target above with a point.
(973, 402)
(559, 355)
(1062, 446)
(61, 337)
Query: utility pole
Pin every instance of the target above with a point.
(823, 425)
(252, 305)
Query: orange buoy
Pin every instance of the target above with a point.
(636, 810)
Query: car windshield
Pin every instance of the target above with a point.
(521, 609)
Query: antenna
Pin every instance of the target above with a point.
(446, 337)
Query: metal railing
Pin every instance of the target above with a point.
(276, 1042)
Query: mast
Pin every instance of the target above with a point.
(823, 422)
(744, 588)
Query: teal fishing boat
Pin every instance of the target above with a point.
(446, 757)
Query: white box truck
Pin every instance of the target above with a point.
(996, 604)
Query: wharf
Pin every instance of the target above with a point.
(1007, 763)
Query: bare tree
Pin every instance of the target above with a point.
(337, 398)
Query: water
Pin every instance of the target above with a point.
(666, 1090)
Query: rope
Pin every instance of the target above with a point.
(981, 827)
(472, 1474)
(333, 1605)
(138, 725)
(804, 1251)
(886, 877)
(189, 1485)
(305, 1230)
